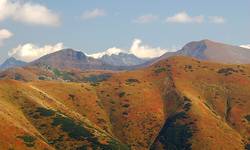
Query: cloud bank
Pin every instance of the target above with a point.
(91, 14)
(137, 48)
(4, 34)
(29, 52)
(27, 12)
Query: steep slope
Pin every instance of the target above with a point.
(213, 51)
(210, 106)
(11, 63)
(177, 103)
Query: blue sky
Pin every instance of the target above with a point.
(93, 26)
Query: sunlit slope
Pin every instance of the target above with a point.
(177, 103)
(211, 105)
(128, 105)
(44, 120)
(126, 109)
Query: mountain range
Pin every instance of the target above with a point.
(176, 103)
(203, 50)
(122, 59)
(194, 98)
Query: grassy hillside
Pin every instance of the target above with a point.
(178, 103)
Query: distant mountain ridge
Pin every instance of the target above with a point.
(213, 51)
(122, 59)
(71, 59)
(11, 63)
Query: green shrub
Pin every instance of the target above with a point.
(125, 113)
(67, 76)
(126, 105)
(132, 81)
(248, 118)
(57, 72)
(122, 94)
(45, 112)
(160, 70)
(18, 77)
(226, 71)
(174, 134)
(72, 96)
(41, 78)
(78, 132)
(74, 130)
(94, 79)
(28, 140)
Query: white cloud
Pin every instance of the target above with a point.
(29, 52)
(145, 51)
(146, 19)
(217, 19)
(245, 46)
(91, 14)
(109, 52)
(137, 48)
(4, 34)
(183, 17)
(27, 12)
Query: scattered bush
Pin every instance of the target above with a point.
(57, 72)
(125, 113)
(45, 112)
(72, 96)
(160, 70)
(64, 75)
(122, 94)
(248, 118)
(28, 140)
(112, 102)
(78, 132)
(188, 68)
(187, 104)
(18, 77)
(226, 71)
(41, 78)
(126, 105)
(94, 79)
(74, 130)
(129, 81)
